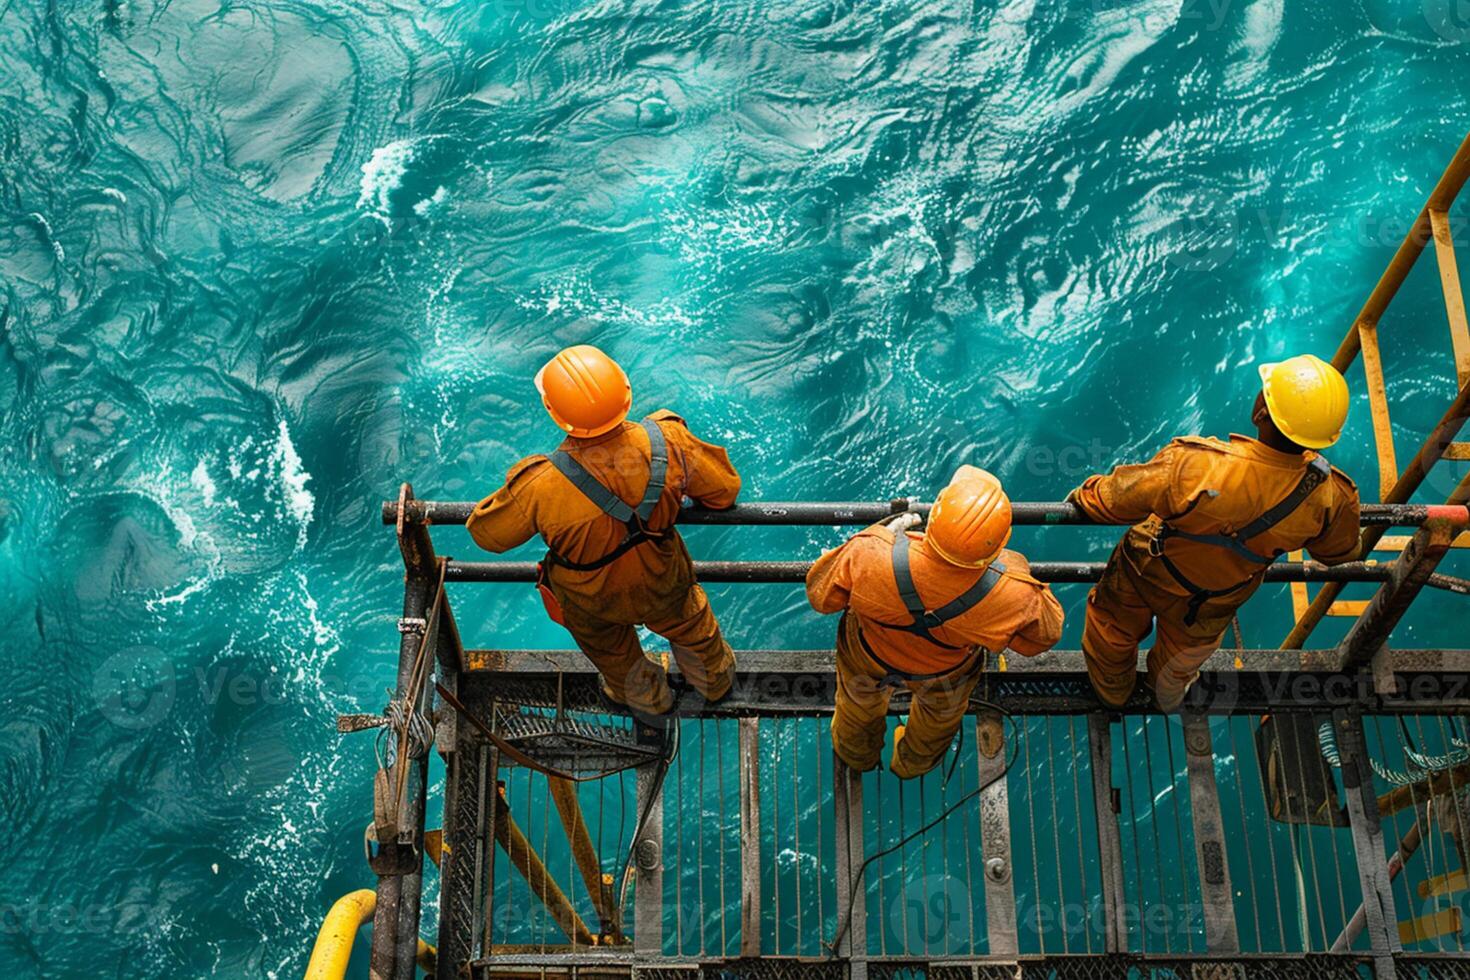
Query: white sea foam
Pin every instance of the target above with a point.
(203, 483)
(430, 203)
(286, 469)
(383, 174)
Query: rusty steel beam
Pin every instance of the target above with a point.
(1221, 933)
(1328, 594)
(510, 837)
(750, 837)
(599, 885)
(995, 836)
(399, 862)
(1411, 572)
(1366, 824)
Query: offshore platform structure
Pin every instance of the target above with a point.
(1351, 758)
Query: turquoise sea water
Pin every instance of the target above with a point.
(262, 261)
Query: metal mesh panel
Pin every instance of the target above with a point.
(1432, 968)
(774, 968)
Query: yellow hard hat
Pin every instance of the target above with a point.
(1307, 399)
(971, 519)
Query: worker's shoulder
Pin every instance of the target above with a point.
(665, 415)
(1191, 445)
(1018, 570)
(1342, 482)
(872, 539)
(523, 475)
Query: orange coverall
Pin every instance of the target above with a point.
(653, 584)
(1020, 613)
(1202, 486)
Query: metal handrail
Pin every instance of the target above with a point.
(796, 571)
(861, 514)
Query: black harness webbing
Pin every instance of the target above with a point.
(1316, 474)
(924, 619)
(635, 519)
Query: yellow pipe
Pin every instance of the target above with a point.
(334, 942)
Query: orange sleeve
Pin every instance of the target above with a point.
(1341, 533)
(829, 582)
(711, 478)
(1132, 492)
(1044, 628)
(500, 522)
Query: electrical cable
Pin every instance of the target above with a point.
(671, 749)
(846, 922)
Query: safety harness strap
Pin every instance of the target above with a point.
(658, 468)
(612, 505)
(1318, 470)
(588, 485)
(1316, 474)
(924, 619)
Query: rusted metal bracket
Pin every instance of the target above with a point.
(648, 862)
(995, 836)
(1221, 935)
(1109, 842)
(1409, 574)
(852, 898)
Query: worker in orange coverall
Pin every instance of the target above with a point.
(919, 612)
(605, 503)
(1213, 515)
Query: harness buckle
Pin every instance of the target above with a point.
(1156, 546)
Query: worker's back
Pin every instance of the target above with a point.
(1018, 612)
(1204, 486)
(538, 499)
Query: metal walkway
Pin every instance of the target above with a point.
(1302, 817)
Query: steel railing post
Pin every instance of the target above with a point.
(995, 837)
(1109, 840)
(1221, 935)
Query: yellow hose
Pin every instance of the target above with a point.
(333, 947)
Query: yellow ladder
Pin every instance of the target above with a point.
(1395, 486)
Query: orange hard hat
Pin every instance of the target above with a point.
(971, 520)
(584, 391)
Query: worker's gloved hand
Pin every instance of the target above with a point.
(903, 522)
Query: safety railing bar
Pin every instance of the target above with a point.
(1053, 572)
(1054, 663)
(860, 514)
